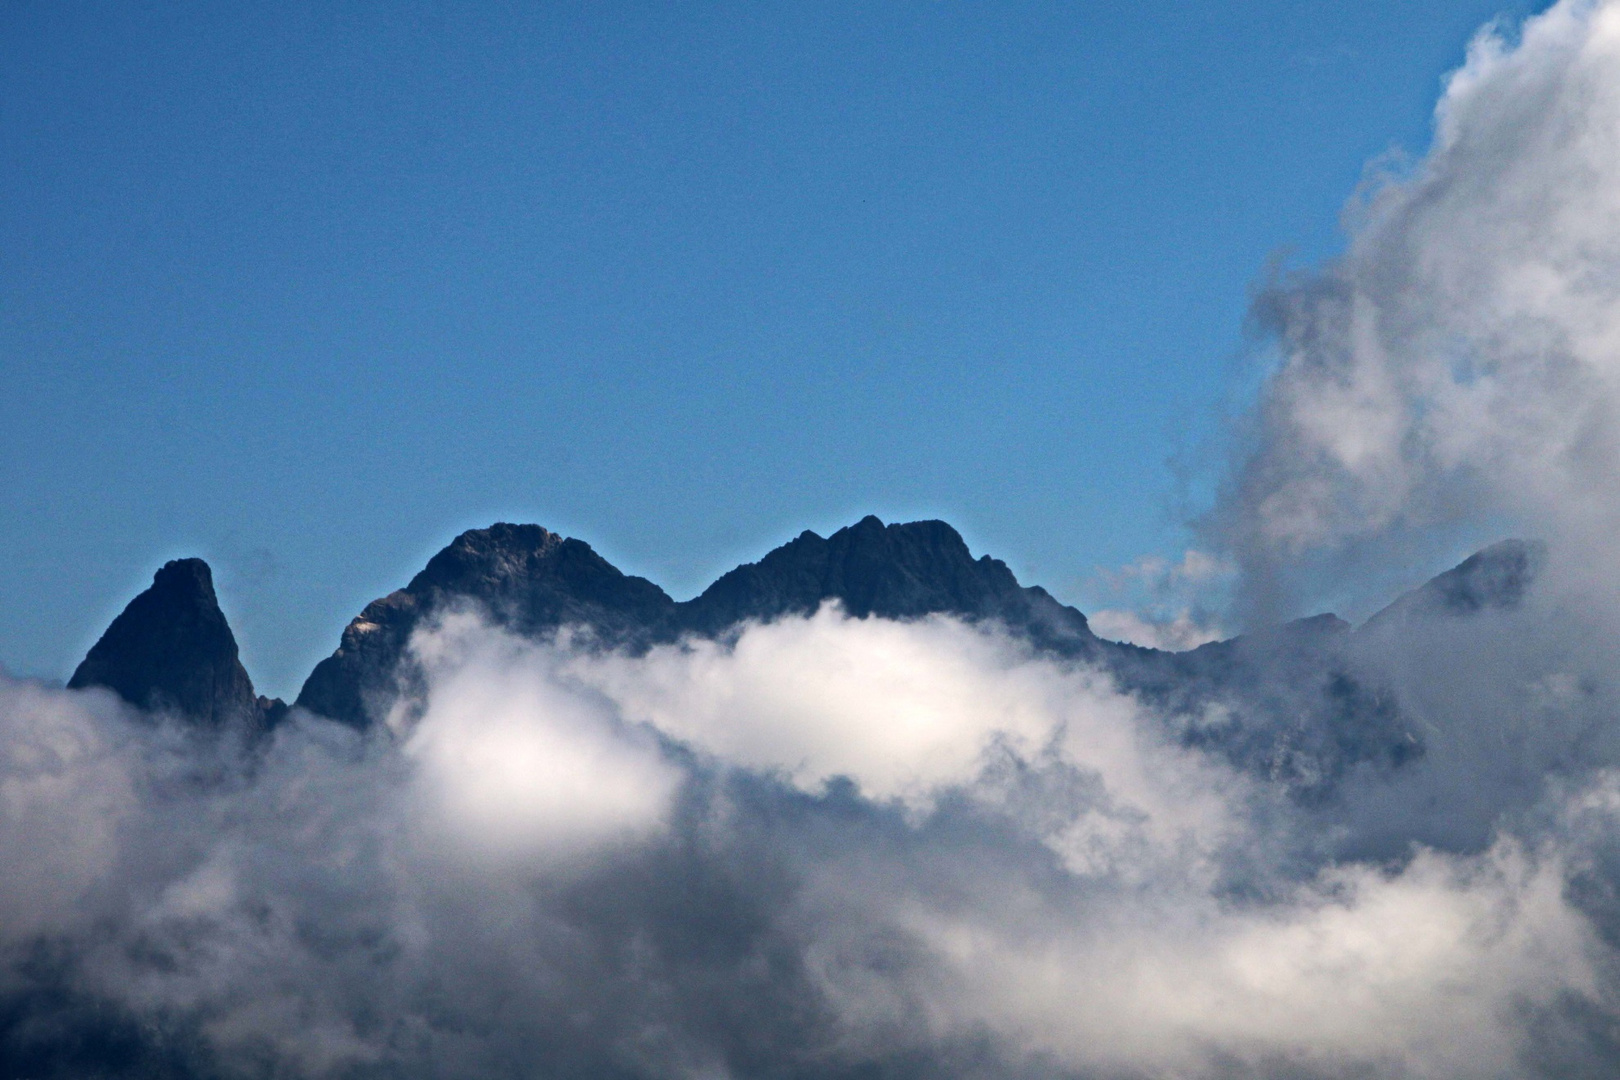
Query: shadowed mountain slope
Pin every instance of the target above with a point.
(1291, 703)
(1495, 578)
(526, 578)
(171, 650)
(891, 571)
(531, 581)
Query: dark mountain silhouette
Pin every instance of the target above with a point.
(892, 571)
(530, 581)
(526, 578)
(1298, 703)
(171, 650)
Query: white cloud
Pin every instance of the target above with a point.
(1462, 360)
(1162, 604)
(1424, 972)
(517, 760)
(66, 785)
(524, 870)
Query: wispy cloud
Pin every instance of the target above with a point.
(1459, 363)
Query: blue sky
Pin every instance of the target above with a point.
(306, 290)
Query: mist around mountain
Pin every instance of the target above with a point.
(1295, 704)
(868, 806)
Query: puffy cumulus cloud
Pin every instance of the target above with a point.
(1461, 361)
(1430, 971)
(833, 846)
(515, 760)
(66, 786)
(912, 711)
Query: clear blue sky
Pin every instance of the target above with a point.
(307, 289)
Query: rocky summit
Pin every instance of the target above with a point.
(171, 651)
(525, 578)
(890, 571)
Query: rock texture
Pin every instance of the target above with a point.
(171, 650)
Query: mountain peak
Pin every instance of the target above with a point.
(1494, 578)
(532, 581)
(172, 650)
(526, 578)
(895, 571)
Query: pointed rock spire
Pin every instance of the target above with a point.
(172, 650)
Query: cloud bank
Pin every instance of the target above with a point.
(835, 846)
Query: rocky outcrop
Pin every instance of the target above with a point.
(171, 651)
(525, 578)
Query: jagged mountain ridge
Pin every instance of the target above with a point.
(530, 580)
(1296, 702)
(525, 577)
